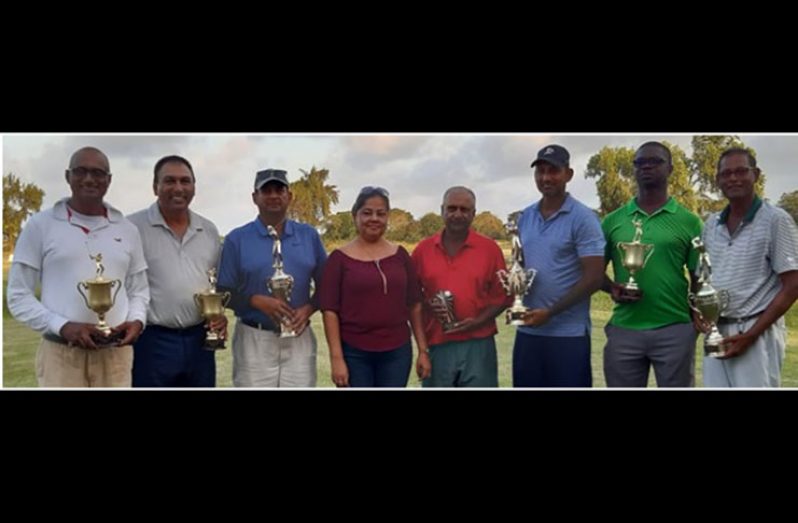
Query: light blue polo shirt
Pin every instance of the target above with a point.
(554, 247)
(246, 264)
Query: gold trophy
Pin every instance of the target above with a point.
(516, 281)
(708, 302)
(211, 305)
(634, 256)
(280, 284)
(445, 299)
(99, 299)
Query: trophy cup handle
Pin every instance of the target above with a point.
(118, 284)
(691, 302)
(724, 297)
(85, 299)
(650, 248)
(226, 298)
(197, 300)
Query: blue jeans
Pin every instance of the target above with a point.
(164, 357)
(551, 361)
(378, 369)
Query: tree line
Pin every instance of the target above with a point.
(692, 183)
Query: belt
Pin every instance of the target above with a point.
(55, 339)
(258, 325)
(725, 320)
(175, 330)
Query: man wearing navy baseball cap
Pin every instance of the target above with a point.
(261, 357)
(562, 240)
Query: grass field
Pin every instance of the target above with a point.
(20, 343)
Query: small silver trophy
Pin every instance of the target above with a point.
(708, 302)
(516, 281)
(634, 255)
(280, 284)
(445, 299)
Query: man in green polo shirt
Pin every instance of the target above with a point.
(654, 326)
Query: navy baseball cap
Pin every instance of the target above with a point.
(270, 175)
(556, 155)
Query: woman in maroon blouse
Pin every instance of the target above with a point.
(368, 293)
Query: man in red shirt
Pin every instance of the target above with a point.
(463, 262)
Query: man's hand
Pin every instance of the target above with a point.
(737, 345)
(536, 317)
(301, 318)
(129, 330)
(278, 310)
(218, 325)
(80, 334)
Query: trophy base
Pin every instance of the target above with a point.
(449, 327)
(631, 292)
(287, 334)
(214, 345)
(515, 317)
(107, 340)
(715, 350)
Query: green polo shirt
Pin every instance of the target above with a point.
(663, 280)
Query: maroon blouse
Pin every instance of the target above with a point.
(372, 299)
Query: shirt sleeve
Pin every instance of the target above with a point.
(230, 275)
(22, 302)
(696, 232)
(589, 237)
(318, 271)
(138, 295)
(330, 288)
(784, 243)
(413, 284)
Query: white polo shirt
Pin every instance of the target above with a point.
(177, 267)
(748, 262)
(55, 245)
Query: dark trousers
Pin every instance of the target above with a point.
(551, 361)
(164, 357)
(378, 369)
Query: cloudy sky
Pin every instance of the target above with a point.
(416, 169)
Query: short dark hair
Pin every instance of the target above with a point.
(661, 146)
(738, 150)
(173, 158)
(369, 192)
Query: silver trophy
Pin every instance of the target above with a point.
(280, 284)
(634, 255)
(441, 299)
(708, 302)
(516, 281)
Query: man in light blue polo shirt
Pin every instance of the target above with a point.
(563, 242)
(261, 358)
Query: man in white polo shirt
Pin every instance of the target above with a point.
(57, 249)
(180, 247)
(753, 247)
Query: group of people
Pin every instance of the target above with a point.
(374, 296)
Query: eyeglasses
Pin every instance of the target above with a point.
(740, 171)
(374, 190)
(653, 161)
(82, 172)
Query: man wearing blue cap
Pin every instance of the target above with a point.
(261, 358)
(563, 242)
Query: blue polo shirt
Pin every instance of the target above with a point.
(246, 265)
(554, 247)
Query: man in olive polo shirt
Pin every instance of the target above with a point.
(654, 327)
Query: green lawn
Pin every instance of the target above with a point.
(20, 343)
